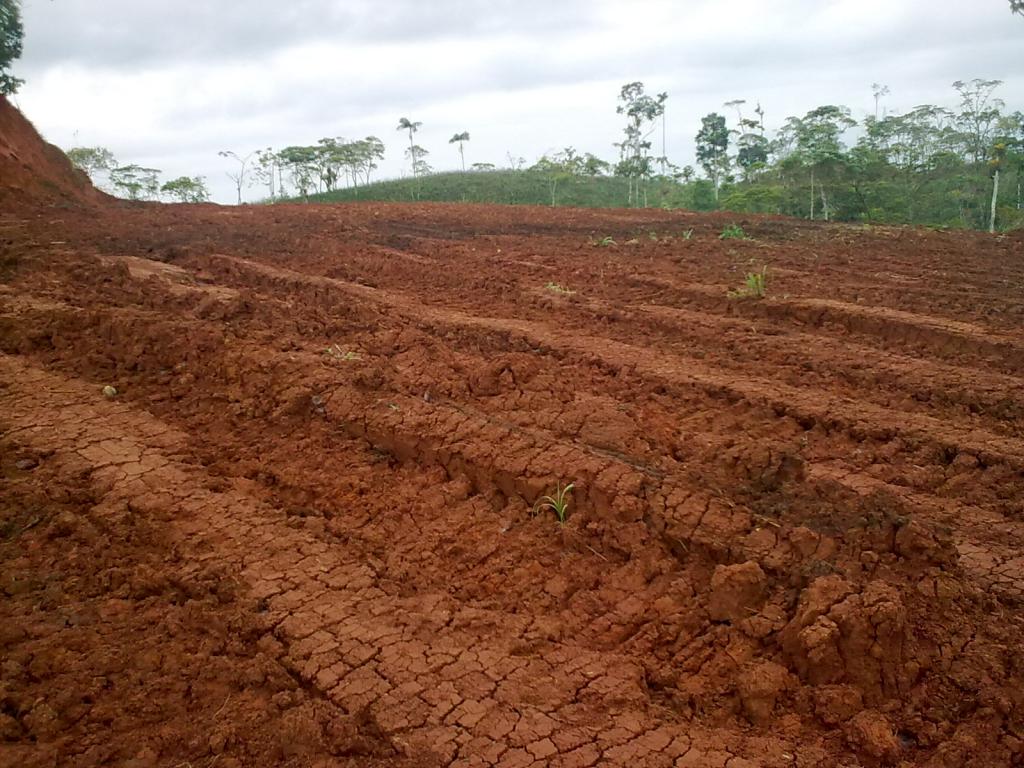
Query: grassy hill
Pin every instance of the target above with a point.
(505, 187)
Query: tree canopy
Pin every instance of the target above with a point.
(11, 33)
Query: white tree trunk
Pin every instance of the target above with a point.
(995, 196)
(812, 194)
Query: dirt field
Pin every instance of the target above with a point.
(301, 532)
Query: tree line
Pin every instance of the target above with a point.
(953, 166)
(960, 165)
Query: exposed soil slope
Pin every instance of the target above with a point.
(33, 172)
(304, 526)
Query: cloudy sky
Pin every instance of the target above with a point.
(168, 83)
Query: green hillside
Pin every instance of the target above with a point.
(505, 187)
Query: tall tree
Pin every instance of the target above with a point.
(819, 146)
(1017, 6)
(736, 104)
(303, 166)
(752, 152)
(417, 156)
(267, 170)
(879, 91)
(11, 33)
(460, 139)
(405, 124)
(979, 113)
(713, 148)
(240, 174)
(641, 112)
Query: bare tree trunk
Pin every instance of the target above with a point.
(812, 194)
(824, 201)
(664, 144)
(995, 196)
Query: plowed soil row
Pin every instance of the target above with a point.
(304, 527)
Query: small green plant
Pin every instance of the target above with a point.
(605, 242)
(755, 285)
(556, 288)
(733, 232)
(652, 236)
(340, 354)
(559, 503)
(687, 234)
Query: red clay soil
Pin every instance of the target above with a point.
(303, 533)
(32, 171)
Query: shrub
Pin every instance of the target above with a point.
(755, 285)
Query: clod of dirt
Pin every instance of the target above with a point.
(737, 591)
(836, 704)
(872, 733)
(760, 685)
(917, 543)
(839, 635)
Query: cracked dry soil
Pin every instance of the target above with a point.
(301, 533)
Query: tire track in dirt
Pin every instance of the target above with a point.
(434, 684)
(817, 407)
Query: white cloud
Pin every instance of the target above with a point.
(168, 84)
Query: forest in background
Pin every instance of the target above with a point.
(955, 165)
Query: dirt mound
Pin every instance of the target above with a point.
(33, 172)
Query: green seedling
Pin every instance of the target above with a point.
(755, 285)
(559, 503)
(605, 242)
(340, 354)
(687, 234)
(556, 288)
(733, 232)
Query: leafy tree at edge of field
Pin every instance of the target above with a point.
(136, 182)
(641, 112)
(187, 189)
(11, 34)
(713, 149)
(239, 175)
(92, 161)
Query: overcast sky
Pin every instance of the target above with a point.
(168, 83)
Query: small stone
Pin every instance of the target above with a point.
(109, 392)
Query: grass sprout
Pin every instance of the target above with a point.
(733, 232)
(556, 288)
(558, 503)
(755, 285)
